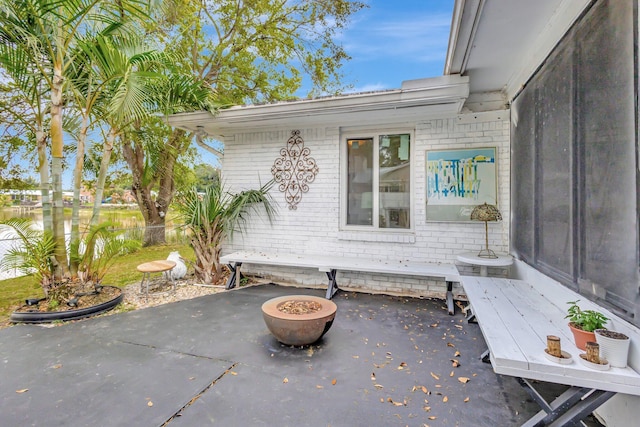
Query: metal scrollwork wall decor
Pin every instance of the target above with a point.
(294, 170)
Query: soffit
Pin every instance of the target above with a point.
(500, 43)
(416, 100)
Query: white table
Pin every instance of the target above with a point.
(472, 258)
(159, 266)
(515, 318)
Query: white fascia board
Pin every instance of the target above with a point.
(436, 97)
(464, 24)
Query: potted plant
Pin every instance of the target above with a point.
(614, 346)
(583, 323)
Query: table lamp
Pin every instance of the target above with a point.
(486, 213)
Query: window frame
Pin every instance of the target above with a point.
(375, 134)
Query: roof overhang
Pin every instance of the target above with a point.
(500, 43)
(415, 100)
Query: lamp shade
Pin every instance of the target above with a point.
(486, 212)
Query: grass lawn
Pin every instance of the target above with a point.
(13, 292)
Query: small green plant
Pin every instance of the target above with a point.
(102, 246)
(32, 252)
(587, 320)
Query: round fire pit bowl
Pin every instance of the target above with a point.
(298, 319)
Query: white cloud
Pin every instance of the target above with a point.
(422, 36)
(371, 87)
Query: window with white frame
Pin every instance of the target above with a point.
(378, 179)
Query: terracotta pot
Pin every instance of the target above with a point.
(582, 337)
(298, 329)
(614, 346)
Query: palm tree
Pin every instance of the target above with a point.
(213, 216)
(28, 88)
(47, 33)
(108, 82)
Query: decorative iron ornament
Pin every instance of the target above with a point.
(294, 170)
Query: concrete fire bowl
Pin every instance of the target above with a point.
(298, 329)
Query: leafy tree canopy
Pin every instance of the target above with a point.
(258, 50)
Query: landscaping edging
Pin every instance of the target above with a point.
(52, 316)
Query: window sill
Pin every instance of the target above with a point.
(377, 236)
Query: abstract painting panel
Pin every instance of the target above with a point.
(458, 180)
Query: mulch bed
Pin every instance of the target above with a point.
(299, 307)
(72, 298)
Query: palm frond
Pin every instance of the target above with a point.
(32, 252)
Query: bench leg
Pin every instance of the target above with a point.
(568, 408)
(486, 356)
(583, 408)
(451, 308)
(332, 287)
(235, 269)
(145, 277)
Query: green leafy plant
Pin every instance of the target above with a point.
(212, 216)
(587, 320)
(102, 245)
(32, 253)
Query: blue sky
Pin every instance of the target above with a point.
(396, 40)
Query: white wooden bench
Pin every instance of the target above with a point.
(332, 264)
(515, 318)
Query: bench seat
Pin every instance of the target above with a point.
(515, 319)
(330, 264)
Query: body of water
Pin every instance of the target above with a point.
(130, 220)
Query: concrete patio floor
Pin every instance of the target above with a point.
(212, 361)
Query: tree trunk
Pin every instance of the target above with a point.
(43, 169)
(102, 175)
(154, 231)
(153, 220)
(77, 185)
(56, 173)
(154, 211)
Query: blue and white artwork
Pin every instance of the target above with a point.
(458, 180)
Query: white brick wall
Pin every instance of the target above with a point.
(314, 227)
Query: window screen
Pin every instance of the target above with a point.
(575, 168)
